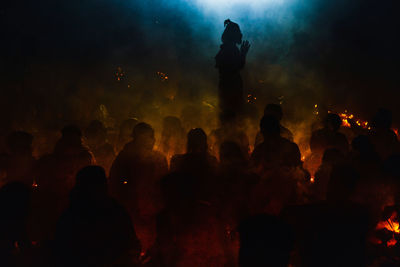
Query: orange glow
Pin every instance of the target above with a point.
(163, 76)
(251, 98)
(346, 117)
(390, 224)
(392, 242)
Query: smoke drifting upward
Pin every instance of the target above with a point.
(72, 61)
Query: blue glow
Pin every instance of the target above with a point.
(231, 6)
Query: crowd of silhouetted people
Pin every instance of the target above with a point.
(202, 200)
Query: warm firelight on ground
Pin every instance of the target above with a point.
(391, 225)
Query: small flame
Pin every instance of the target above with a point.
(391, 225)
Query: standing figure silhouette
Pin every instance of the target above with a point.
(229, 61)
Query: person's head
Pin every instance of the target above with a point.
(197, 141)
(96, 132)
(231, 154)
(90, 184)
(171, 125)
(270, 126)
(382, 119)
(265, 241)
(274, 110)
(232, 33)
(143, 134)
(126, 128)
(19, 143)
(332, 122)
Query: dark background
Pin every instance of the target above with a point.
(59, 59)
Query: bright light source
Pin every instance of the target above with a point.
(237, 8)
(232, 3)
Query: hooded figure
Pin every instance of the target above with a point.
(229, 61)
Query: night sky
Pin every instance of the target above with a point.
(59, 58)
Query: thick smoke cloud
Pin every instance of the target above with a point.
(60, 59)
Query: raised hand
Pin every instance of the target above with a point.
(244, 48)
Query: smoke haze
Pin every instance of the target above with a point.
(73, 61)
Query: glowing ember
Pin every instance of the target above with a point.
(251, 98)
(119, 74)
(163, 76)
(316, 112)
(346, 117)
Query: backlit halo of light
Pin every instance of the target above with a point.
(228, 4)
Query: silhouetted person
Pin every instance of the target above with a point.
(232, 130)
(391, 171)
(329, 137)
(172, 137)
(275, 111)
(382, 136)
(364, 157)
(229, 61)
(125, 133)
(56, 176)
(197, 162)
(14, 210)
(278, 163)
(331, 158)
(235, 182)
(342, 220)
(135, 176)
(57, 171)
(94, 230)
(373, 190)
(265, 241)
(96, 139)
(275, 151)
(18, 163)
(332, 232)
(189, 229)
